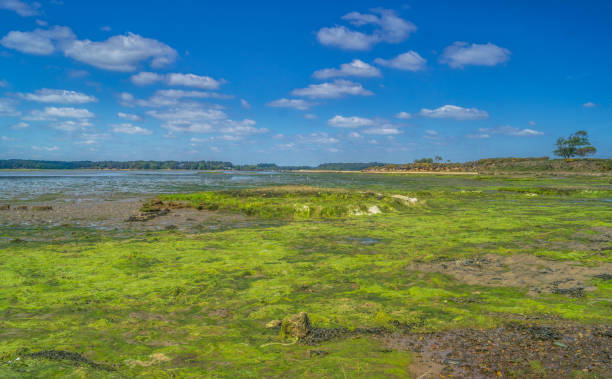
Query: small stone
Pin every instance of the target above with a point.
(297, 325)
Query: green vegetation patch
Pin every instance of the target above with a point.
(292, 202)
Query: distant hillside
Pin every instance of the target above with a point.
(493, 165)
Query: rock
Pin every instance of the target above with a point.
(5, 207)
(274, 324)
(297, 325)
(406, 199)
(42, 208)
(22, 207)
(374, 210)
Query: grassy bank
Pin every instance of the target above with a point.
(165, 303)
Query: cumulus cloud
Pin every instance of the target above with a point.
(194, 118)
(121, 52)
(177, 79)
(127, 128)
(20, 125)
(388, 27)
(290, 103)
(8, 108)
(355, 68)
(245, 104)
(349, 122)
(52, 113)
(166, 98)
(454, 112)
(410, 61)
(403, 115)
(330, 90)
(43, 148)
(505, 130)
(117, 53)
(20, 7)
(39, 41)
(58, 96)
(461, 54)
(588, 105)
(129, 116)
(71, 125)
(383, 130)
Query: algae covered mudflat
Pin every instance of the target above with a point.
(478, 276)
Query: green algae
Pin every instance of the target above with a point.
(168, 303)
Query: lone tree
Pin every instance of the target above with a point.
(576, 144)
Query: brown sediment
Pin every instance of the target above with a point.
(113, 215)
(536, 274)
(514, 350)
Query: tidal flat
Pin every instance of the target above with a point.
(479, 276)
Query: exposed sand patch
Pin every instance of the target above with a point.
(522, 270)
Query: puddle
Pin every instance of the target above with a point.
(364, 240)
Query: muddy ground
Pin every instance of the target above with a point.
(108, 215)
(536, 274)
(515, 350)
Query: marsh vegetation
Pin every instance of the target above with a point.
(489, 276)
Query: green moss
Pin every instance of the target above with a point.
(202, 300)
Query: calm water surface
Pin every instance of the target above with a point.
(62, 185)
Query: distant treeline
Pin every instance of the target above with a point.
(492, 165)
(16, 164)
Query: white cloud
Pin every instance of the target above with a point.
(245, 104)
(121, 52)
(355, 68)
(129, 116)
(349, 122)
(403, 115)
(388, 27)
(5, 138)
(20, 125)
(128, 128)
(106, 28)
(52, 113)
(117, 53)
(146, 78)
(41, 22)
(532, 123)
(383, 130)
(317, 138)
(39, 41)
(21, 8)
(329, 90)
(192, 80)
(588, 105)
(51, 148)
(505, 130)
(166, 98)
(291, 103)
(8, 109)
(176, 79)
(455, 112)
(355, 135)
(461, 54)
(196, 119)
(58, 96)
(310, 116)
(410, 61)
(70, 125)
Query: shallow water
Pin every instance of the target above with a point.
(104, 184)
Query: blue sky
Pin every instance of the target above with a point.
(302, 82)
